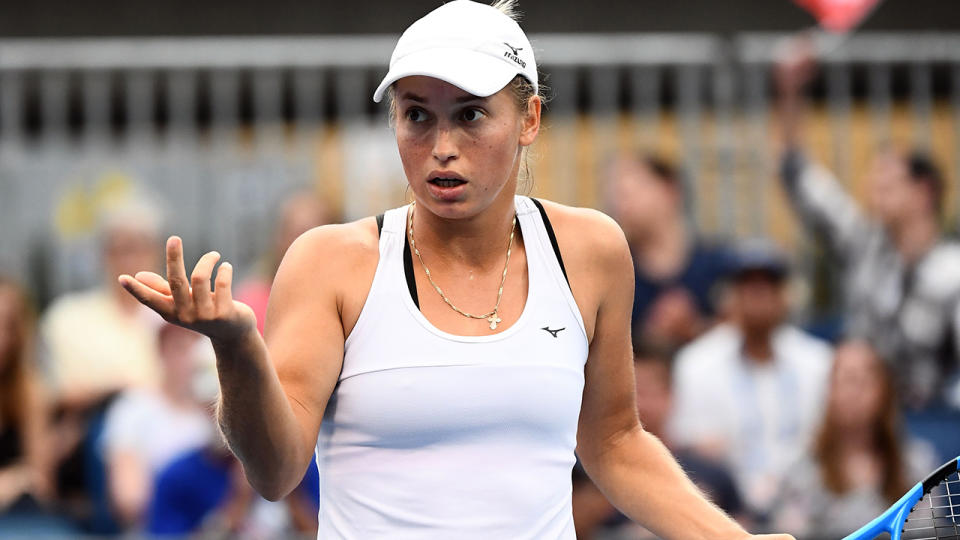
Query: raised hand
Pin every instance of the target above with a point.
(795, 64)
(190, 303)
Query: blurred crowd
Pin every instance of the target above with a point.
(107, 420)
(107, 424)
(812, 427)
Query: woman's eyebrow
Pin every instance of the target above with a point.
(409, 96)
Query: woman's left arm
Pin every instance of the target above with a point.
(632, 467)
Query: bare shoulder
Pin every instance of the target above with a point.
(596, 257)
(330, 249)
(332, 266)
(587, 233)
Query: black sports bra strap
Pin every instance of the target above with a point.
(408, 272)
(379, 224)
(553, 237)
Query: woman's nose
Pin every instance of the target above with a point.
(444, 144)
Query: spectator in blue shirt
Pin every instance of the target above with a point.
(675, 269)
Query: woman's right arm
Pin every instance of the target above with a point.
(273, 391)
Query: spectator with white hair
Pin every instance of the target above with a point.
(97, 343)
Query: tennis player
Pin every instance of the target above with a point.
(446, 358)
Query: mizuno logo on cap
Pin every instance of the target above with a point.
(512, 54)
(516, 50)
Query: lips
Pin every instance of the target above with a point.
(447, 182)
(446, 185)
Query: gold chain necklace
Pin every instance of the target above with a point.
(492, 316)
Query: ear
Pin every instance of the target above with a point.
(530, 124)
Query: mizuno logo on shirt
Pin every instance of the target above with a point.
(553, 332)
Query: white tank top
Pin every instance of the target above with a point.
(434, 435)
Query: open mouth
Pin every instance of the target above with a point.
(447, 182)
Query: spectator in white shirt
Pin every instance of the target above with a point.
(750, 392)
(146, 429)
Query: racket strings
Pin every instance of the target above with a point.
(936, 516)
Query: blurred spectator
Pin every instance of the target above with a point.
(25, 467)
(594, 516)
(298, 213)
(655, 404)
(901, 276)
(859, 464)
(145, 430)
(103, 340)
(675, 271)
(99, 342)
(750, 391)
(204, 493)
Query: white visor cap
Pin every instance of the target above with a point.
(470, 45)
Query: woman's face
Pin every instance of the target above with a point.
(460, 152)
(857, 390)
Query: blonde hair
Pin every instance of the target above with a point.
(508, 8)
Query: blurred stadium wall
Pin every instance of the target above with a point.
(221, 128)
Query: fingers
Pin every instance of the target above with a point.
(154, 281)
(177, 277)
(200, 282)
(222, 294)
(148, 296)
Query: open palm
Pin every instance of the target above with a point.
(190, 303)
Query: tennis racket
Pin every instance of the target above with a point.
(929, 511)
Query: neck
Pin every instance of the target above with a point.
(176, 393)
(758, 346)
(479, 241)
(915, 237)
(856, 440)
(662, 250)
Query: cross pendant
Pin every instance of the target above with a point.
(494, 319)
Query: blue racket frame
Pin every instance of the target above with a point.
(893, 519)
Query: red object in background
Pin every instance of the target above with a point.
(838, 15)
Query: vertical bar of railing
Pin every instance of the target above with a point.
(645, 89)
(267, 179)
(11, 107)
(838, 94)
(730, 191)
(188, 178)
(139, 97)
(921, 102)
(95, 88)
(955, 101)
(267, 110)
(562, 122)
(688, 87)
(225, 190)
(308, 98)
(225, 108)
(12, 209)
(351, 96)
(758, 147)
(603, 87)
(878, 80)
(53, 108)
(181, 105)
(53, 158)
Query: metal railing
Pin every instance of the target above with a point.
(221, 129)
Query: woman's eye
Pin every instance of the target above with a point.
(416, 115)
(472, 115)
